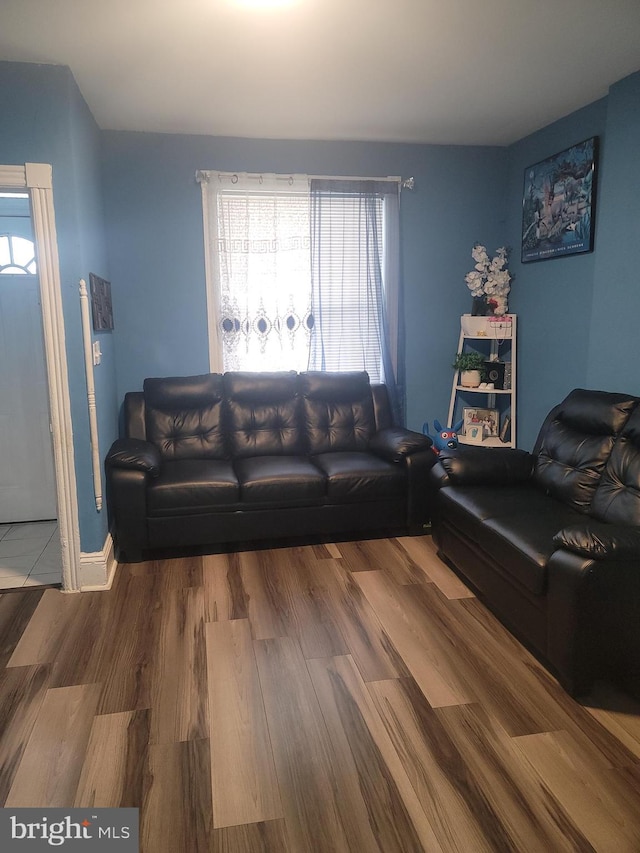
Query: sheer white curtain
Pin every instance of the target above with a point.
(258, 237)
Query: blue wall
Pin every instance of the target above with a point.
(578, 315)
(45, 120)
(90, 256)
(614, 350)
(553, 299)
(154, 216)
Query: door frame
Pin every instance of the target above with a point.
(36, 179)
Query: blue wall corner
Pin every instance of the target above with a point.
(552, 298)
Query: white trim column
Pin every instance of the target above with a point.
(37, 179)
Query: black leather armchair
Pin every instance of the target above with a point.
(551, 539)
(244, 456)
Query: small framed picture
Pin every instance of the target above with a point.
(101, 307)
(486, 420)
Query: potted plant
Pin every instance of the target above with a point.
(471, 367)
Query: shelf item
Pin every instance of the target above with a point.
(483, 390)
(491, 328)
(495, 338)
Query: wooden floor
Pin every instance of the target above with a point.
(343, 697)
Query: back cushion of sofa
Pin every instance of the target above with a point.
(263, 414)
(338, 411)
(184, 416)
(575, 443)
(617, 498)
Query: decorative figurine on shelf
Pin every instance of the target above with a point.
(446, 438)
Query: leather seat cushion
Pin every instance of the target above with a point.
(490, 501)
(359, 476)
(522, 544)
(192, 485)
(469, 506)
(514, 524)
(279, 479)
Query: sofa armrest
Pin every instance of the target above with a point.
(129, 464)
(482, 466)
(396, 443)
(592, 624)
(133, 454)
(601, 541)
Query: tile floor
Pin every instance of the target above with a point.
(30, 554)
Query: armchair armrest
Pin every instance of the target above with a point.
(601, 541)
(134, 454)
(396, 443)
(482, 466)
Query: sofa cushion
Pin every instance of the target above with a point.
(617, 497)
(360, 476)
(193, 485)
(263, 414)
(468, 507)
(575, 443)
(183, 416)
(523, 543)
(514, 524)
(338, 411)
(281, 480)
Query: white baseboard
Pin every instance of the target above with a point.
(98, 568)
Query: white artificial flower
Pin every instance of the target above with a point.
(479, 254)
(490, 276)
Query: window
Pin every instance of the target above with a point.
(17, 255)
(302, 273)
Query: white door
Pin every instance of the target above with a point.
(27, 480)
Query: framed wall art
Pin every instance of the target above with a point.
(101, 306)
(558, 203)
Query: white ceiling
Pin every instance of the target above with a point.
(454, 71)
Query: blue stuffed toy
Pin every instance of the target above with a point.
(446, 438)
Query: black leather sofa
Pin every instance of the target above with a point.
(551, 539)
(251, 456)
